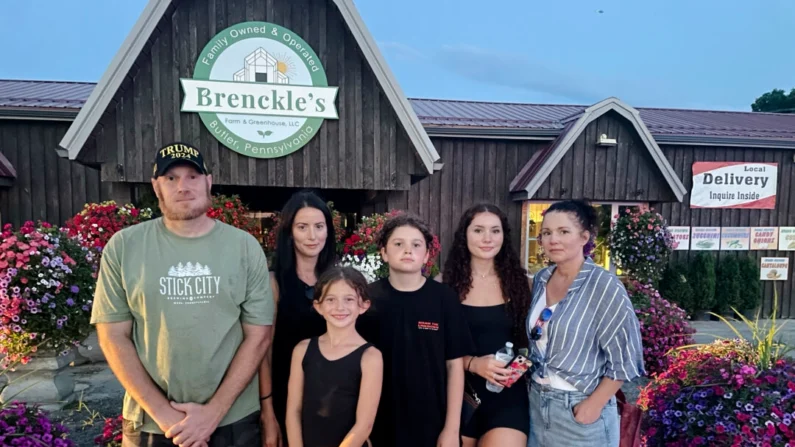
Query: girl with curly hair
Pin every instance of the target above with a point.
(494, 291)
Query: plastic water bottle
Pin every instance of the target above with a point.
(504, 355)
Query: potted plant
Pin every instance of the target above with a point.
(641, 244)
(98, 222)
(46, 291)
(663, 326)
(361, 251)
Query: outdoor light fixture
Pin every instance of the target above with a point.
(604, 141)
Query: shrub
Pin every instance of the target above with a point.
(641, 244)
(728, 276)
(46, 290)
(702, 280)
(750, 284)
(676, 288)
(97, 222)
(663, 326)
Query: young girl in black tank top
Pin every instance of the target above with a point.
(335, 379)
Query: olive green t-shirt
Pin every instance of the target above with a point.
(187, 299)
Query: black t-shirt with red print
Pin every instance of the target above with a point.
(417, 332)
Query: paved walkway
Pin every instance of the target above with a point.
(708, 331)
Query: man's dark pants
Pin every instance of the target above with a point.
(243, 433)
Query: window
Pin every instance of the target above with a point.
(534, 257)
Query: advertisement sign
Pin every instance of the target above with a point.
(718, 184)
(786, 238)
(774, 269)
(764, 238)
(682, 236)
(705, 238)
(735, 238)
(260, 90)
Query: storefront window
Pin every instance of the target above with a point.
(601, 254)
(535, 259)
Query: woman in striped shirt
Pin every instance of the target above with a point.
(584, 337)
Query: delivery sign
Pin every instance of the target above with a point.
(718, 184)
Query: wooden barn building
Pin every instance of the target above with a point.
(286, 95)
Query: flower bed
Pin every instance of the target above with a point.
(361, 252)
(46, 290)
(721, 394)
(111, 433)
(230, 210)
(30, 427)
(97, 222)
(663, 326)
(641, 244)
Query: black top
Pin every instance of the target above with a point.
(331, 395)
(416, 332)
(296, 320)
(491, 327)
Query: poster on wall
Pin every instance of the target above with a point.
(260, 90)
(786, 238)
(764, 238)
(682, 236)
(705, 238)
(735, 238)
(728, 184)
(774, 269)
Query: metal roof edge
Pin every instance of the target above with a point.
(590, 114)
(551, 134)
(23, 113)
(108, 85)
(405, 113)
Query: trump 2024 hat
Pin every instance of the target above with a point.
(175, 153)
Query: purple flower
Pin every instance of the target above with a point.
(70, 302)
(75, 289)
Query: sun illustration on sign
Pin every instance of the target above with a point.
(262, 66)
(285, 65)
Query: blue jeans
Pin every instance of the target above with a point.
(552, 420)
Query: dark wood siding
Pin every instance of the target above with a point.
(47, 187)
(366, 148)
(680, 214)
(625, 172)
(474, 171)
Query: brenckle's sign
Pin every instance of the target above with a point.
(734, 185)
(260, 90)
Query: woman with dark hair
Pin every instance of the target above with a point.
(304, 250)
(584, 337)
(494, 291)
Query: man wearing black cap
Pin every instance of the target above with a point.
(184, 315)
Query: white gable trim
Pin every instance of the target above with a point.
(591, 114)
(111, 80)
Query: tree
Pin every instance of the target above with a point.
(775, 101)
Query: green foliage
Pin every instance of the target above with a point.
(728, 277)
(775, 101)
(676, 287)
(751, 285)
(702, 281)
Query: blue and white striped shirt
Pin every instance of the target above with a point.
(593, 332)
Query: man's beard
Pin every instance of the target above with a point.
(200, 207)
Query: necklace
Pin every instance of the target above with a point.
(483, 276)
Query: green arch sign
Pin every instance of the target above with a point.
(260, 90)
